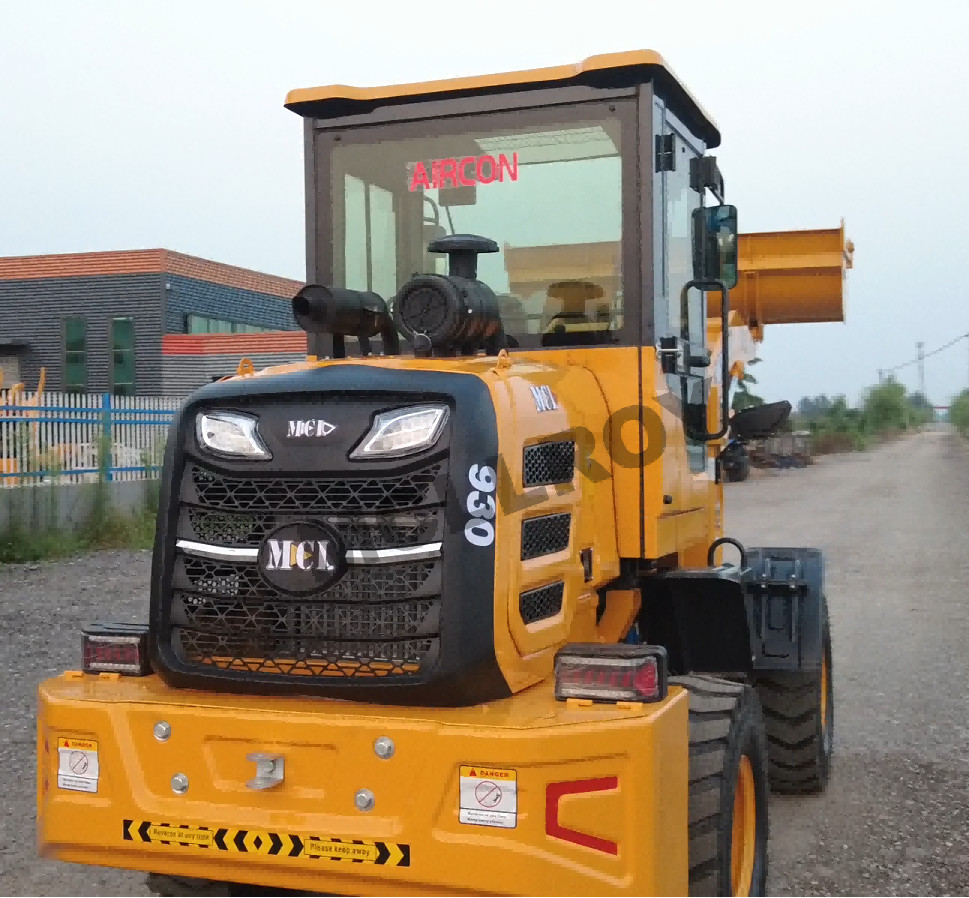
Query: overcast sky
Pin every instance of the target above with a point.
(144, 124)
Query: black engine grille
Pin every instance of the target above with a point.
(306, 657)
(545, 535)
(546, 463)
(377, 620)
(309, 495)
(323, 620)
(388, 531)
(538, 604)
(392, 582)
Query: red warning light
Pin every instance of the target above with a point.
(611, 673)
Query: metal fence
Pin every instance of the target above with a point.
(76, 437)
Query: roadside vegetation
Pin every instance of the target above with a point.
(959, 413)
(886, 411)
(35, 527)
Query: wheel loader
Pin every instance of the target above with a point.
(448, 607)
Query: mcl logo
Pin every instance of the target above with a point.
(312, 427)
(302, 558)
(307, 555)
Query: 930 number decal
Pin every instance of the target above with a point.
(479, 531)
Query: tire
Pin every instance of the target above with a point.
(726, 738)
(799, 714)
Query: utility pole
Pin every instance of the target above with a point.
(921, 353)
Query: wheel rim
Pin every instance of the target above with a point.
(744, 835)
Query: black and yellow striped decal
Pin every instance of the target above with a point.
(260, 841)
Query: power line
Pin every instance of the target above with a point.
(922, 356)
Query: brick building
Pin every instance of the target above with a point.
(141, 322)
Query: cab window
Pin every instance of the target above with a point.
(550, 195)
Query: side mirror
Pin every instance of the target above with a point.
(715, 244)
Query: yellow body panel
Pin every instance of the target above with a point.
(329, 755)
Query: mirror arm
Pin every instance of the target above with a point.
(721, 287)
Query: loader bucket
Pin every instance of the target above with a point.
(790, 277)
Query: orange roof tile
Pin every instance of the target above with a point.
(142, 261)
(65, 265)
(229, 275)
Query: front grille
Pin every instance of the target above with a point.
(361, 583)
(314, 657)
(323, 620)
(545, 535)
(377, 620)
(546, 463)
(317, 495)
(538, 604)
(248, 529)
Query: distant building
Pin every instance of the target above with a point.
(141, 322)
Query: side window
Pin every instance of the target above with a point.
(683, 317)
(687, 315)
(370, 247)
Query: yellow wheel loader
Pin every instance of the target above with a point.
(441, 609)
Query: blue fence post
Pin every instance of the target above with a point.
(106, 429)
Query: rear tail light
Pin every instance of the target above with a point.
(611, 673)
(116, 648)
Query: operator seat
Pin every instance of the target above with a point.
(570, 325)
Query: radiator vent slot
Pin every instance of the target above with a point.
(546, 463)
(545, 535)
(538, 604)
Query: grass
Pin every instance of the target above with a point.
(34, 534)
(18, 545)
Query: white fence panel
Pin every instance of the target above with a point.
(75, 437)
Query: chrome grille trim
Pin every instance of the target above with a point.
(354, 556)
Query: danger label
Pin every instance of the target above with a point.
(489, 796)
(77, 765)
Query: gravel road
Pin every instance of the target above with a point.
(894, 524)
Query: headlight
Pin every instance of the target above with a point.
(231, 434)
(403, 432)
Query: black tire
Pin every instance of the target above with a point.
(800, 723)
(725, 726)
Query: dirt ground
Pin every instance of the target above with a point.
(894, 524)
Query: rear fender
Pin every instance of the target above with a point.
(784, 598)
(700, 616)
(763, 617)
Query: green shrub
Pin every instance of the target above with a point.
(959, 413)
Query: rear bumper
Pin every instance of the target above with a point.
(599, 806)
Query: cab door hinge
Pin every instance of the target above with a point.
(665, 152)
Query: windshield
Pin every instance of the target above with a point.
(549, 196)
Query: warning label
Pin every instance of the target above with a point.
(489, 796)
(77, 765)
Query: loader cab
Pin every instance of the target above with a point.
(588, 179)
(581, 175)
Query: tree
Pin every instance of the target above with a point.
(742, 397)
(959, 412)
(886, 407)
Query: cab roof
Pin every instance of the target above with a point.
(607, 70)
